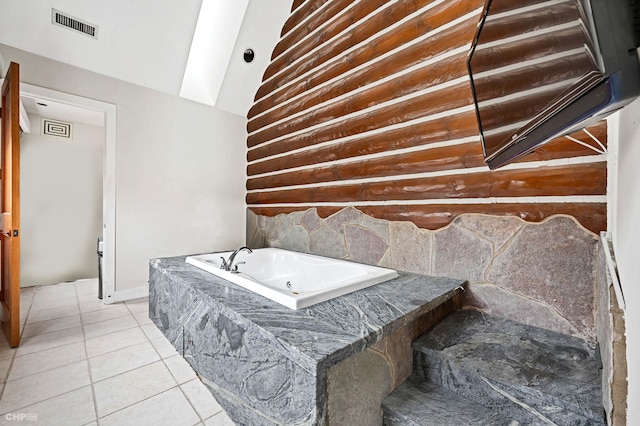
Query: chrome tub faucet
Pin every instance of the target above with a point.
(228, 265)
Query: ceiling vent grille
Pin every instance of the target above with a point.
(57, 128)
(64, 20)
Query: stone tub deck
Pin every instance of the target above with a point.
(267, 364)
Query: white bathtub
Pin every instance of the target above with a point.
(295, 280)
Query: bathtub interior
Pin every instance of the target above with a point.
(296, 280)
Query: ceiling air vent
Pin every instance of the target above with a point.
(57, 128)
(67, 21)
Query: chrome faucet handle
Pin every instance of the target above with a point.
(224, 265)
(234, 270)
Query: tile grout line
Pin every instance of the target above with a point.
(125, 372)
(11, 366)
(119, 374)
(15, 350)
(86, 353)
(178, 384)
(92, 382)
(168, 369)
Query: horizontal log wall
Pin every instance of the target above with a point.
(368, 104)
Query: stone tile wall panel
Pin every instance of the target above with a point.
(542, 274)
(553, 262)
(458, 252)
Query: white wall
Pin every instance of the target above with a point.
(260, 31)
(181, 167)
(625, 208)
(60, 203)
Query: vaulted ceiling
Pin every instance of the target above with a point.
(148, 42)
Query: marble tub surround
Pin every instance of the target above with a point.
(542, 274)
(265, 363)
(419, 403)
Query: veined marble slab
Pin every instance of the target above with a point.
(265, 363)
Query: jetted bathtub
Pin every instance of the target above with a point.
(295, 280)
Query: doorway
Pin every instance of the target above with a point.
(108, 113)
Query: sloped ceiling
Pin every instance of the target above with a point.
(147, 42)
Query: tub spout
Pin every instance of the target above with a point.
(227, 265)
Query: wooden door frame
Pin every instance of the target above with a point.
(108, 176)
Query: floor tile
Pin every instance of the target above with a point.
(220, 419)
(119, 310)
(41, 327)
(114, 341)
(122, 360)
(109, 326)
(138, 305)
(87, 287)
(136, 372)
(164, 347)
(142, 318)
(152, 331)
(23, 316)
(39, 387)
(47, 314)
(6, 351)
(27, 291)
(41, 303)
(92, 304)
(134, 386)
(72, 408)
(180, 369)
(55, 291)
(26, 299)
(168, 408)
(37, 362)
(4, 369)
(45, 341)
(200, 397)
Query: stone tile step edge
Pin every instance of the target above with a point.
(418, 403)
(470, 376)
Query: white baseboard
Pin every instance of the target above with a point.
(128, 294)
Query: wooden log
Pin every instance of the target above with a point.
(439, 101)
(527, 49)
(407, 32)
(403, 59)
(402, 85)
(579, 179)
(296, 4)
(593, 216)
(560, 147)
(512, 82)
(443, 129)
(529, 21)
(446, 158)
(299, 12)
(287, 51)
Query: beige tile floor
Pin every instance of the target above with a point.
(81, 362)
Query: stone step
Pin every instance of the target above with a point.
(527, 373)
(418, 403)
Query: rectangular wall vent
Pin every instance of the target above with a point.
(57, 128)
(67, 21)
